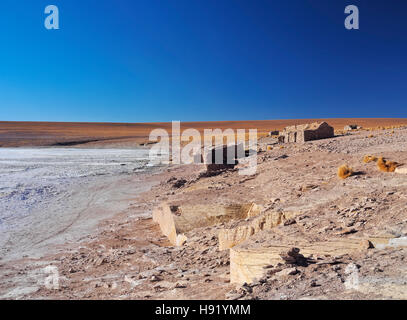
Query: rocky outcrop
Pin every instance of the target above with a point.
(174, 221)
(230, 237)
(248, 263)
(350, 127)
(165, 218)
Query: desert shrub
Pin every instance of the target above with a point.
(386, 166)
(367, 159)
(344, 171)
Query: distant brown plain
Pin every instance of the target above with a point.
(20, 134)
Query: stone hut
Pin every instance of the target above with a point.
(307, 132)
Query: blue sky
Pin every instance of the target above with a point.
(198, 60)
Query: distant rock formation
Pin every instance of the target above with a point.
(274, 133)
(351, 127)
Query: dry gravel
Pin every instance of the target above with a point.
(129, 259)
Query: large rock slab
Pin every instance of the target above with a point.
(230, 237)
(174, 221)
(248, 262)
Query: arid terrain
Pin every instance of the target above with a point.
(293, 230)
(17, 134)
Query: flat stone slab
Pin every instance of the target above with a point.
(248, 263)
(230, 237)
(174, 221)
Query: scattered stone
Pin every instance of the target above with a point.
(233, 296)
(308, 187)
(293, 256)
(245, 288)
(289, 222)
(378, 269)
(179, 286)
(284, 156)
(366, 244)
(347, 231)
(287, 272)
(333, 261)
(314, 284)
(350, 127)
(158, 288)
(179, 183)
(155, 278)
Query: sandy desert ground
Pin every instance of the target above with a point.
(352, 227)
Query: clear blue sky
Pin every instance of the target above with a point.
(197, 60)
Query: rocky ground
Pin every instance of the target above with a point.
(131, 259)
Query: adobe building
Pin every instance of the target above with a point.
(307, 132)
